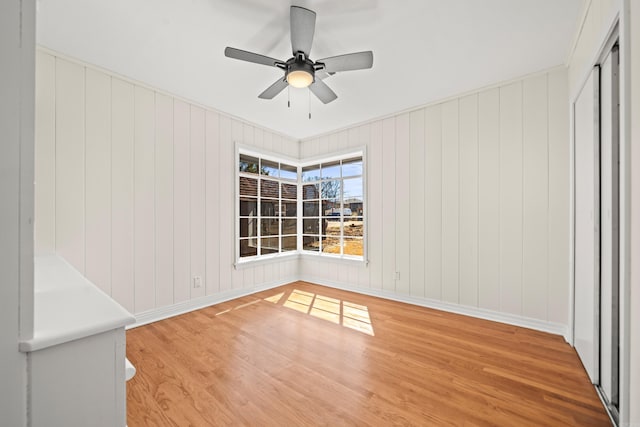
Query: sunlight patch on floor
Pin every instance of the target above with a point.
(345, 313)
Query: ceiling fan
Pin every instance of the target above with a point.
(299, 70)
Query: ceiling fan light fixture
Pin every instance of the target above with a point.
(299, 78)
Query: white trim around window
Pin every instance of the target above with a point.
(265, 193)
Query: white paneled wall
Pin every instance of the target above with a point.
(135, 188)
(467, 199)
(468, 202)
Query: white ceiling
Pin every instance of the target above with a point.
(424, 50)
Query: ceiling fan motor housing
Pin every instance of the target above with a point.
(300, 64)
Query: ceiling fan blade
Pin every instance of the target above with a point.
(322, 91)
(277, 87)
(303, 26)
(243, 55)
(348, 62)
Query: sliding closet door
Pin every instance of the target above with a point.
(609, 235)
(586, 265)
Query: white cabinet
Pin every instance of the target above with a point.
(77, 354)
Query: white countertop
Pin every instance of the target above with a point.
(68, 307)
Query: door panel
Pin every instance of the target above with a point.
(586, 180)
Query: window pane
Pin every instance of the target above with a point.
(289, 208)
(289, 191)
(248, 186)
(289, 243)
(311, 226)
(269, 188)
(269, 207)
(353, 227)
(248, 164)
(331, 207)
(311, 173)
(310, 208)
(352, 246)
(331, 189)
(331, 226)
(270, 227)
(331, 244)
(311, 243)
(267, 167)
(248, 227)
(288, 172)
(353, 189)
(248, 247)
(269, 245)
(248, 207)
(331, 170)
(289, 226)
(310, 191)
(352, 167)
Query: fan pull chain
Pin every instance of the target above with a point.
(309, 93)
(288, 96)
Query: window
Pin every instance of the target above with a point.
(328, 219)
(333, 207)
(268, 194)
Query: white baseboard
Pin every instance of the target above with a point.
(511, 319)
(480, 313)
(162, 313)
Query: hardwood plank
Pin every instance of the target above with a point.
(257, 360)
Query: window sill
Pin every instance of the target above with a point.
(334, 259)
(265, 259)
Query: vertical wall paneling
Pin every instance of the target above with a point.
(227, 186)
(197, 181)
(122, 193)
(558, 234)
(246, 136)
(98, 179)
(70, 190)
(333, 143)
(45, 152)
(469, 200)
(164, 200)
(144, 200)
(388, 204)
(267, 141)
(450, 201)
(403, 204)
(212, 198)
(237, 275)
(181, 203)
(433, 201)
(364, 137)
(416, 204)
(535, 193)
(489, 199)
(375, 203)
(511, 198)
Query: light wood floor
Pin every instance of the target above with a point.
(304, 354)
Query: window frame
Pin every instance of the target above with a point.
(241, 149)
